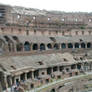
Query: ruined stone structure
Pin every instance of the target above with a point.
(37, 46)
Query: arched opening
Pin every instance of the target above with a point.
(56, 46)
(10, 43)
(19, 47)
(49, 46)
(70, 45)
(63, 45)
(53, 90)
(82, 45)
(79, 66)
(22, 77)
(42, 46)
(76, 45)
(89, 45)
(27, 46)
(35, 46)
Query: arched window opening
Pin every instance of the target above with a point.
(79, 66)
(6, 38)
(63, 45)
(42, 46)
(19, 47)
(35, 47)
(53, 90)
(49, 46)
(22, 77)
(82, 45)
(15, 38)
(55, 69)
(73, 66)
(76, 45)
(70, 45)
(27, 46)
(29, 75)
(56, 46)
(89, 45)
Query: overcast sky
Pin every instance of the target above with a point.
(61, 5)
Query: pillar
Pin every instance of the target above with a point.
(5, 80)
(32, 74)
(25, 76)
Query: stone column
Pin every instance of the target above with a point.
(15, 48)
(5, 80)
(79, 45)
(25, 76)
(31, 47)
(32, 74)
(39, 46)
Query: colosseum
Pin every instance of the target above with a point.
(45, 51)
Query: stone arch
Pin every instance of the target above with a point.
(76, 45)
(88, 45)
(49, 46)
(63, 45)
(79, 66)
(19, 47)
(56, 46)
(83, 45)
(35, 46)
(27, 46)
(70, 45)
(42, 46)
(22, 77)
(53, 90)
(10, 43)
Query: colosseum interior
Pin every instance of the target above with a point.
(40, 48)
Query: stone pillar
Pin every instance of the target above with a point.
(5, 80)
(86, 45)
(79, 45)
(32, 74)
(59, 46)
(66, 45)
(25, 76)
(73, 45)
(15, 48)
(31, 47)
(38, 46)
(23, 48)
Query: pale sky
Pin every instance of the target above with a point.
(61, 5)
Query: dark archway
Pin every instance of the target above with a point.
(22, 77)
(79, 66)
(70, 45)
(49, 46)
(56, 46)
(63, 45)
(82, 45)
(76, 45)
(35, 46)
(42, 46)
(53, 90)
(89, 45)
(27, 46)
(19, 47)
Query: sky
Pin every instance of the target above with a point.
(59, 5)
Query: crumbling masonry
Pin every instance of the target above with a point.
(37, 46)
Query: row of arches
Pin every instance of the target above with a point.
(27, 46)
(42, 46)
